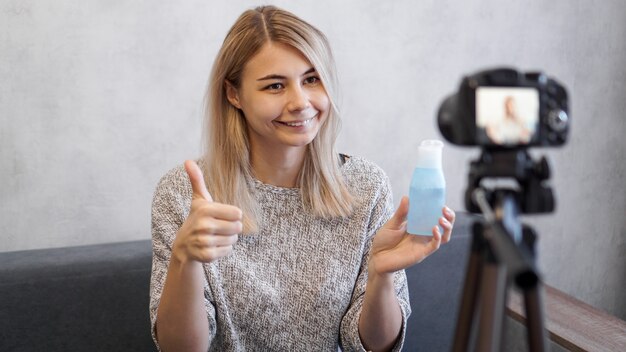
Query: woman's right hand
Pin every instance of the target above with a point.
(211, 229)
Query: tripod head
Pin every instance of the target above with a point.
(533, 195)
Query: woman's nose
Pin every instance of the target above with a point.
(298, 99)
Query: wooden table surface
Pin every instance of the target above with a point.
(574, 324)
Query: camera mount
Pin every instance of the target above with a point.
(533, 196)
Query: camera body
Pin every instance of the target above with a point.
(504, 109)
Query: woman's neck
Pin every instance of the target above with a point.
(278, 168)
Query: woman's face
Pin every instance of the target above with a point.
(282, 98)
(509, 107)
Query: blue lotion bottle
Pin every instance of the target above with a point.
(427, 194)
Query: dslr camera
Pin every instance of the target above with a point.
(505, 109)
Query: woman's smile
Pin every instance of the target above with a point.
(298, 123)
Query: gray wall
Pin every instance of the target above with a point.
(98, 99)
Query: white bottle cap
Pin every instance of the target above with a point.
(429, 154)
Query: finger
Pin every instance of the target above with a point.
(449, 214)
(447, 229)
(213, 226)
(399, 217)
(197, 181)
(215, 241)
(427, 247)
(436, 240)
(220, 211)
(404, 225)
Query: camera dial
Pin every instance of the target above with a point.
(558, 120)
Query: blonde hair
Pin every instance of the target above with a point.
(227, 157)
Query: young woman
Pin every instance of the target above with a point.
(510, 129)
(274, 241)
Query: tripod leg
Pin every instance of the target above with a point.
(533, 303)
(469, 301)
(493, 293)
(467, 310)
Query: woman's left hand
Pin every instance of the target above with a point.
(394, 249)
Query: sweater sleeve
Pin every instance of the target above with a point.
(170, 208)
(349, 333)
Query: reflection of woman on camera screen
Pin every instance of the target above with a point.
(510, 129)
(273, 241)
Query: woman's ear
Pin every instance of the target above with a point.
(232, 94)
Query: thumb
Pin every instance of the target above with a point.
(197, 181)
(399, 217)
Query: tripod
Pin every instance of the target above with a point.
(502, 252)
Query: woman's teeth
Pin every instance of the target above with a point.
(299, 123)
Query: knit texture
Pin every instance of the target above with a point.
(296, 285)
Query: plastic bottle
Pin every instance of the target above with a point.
(428, 190)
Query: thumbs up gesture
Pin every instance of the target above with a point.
(211, 228)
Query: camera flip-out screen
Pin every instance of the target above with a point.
(506, 115)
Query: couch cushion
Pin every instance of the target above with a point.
(88, 298)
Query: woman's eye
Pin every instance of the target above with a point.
(311, 80)
(274, 86)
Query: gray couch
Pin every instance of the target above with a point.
(95, 298)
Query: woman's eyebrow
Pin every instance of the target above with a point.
(275, 76)
(272, 76)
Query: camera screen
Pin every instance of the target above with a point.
(506, 115)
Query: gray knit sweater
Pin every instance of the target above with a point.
(296, 285)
